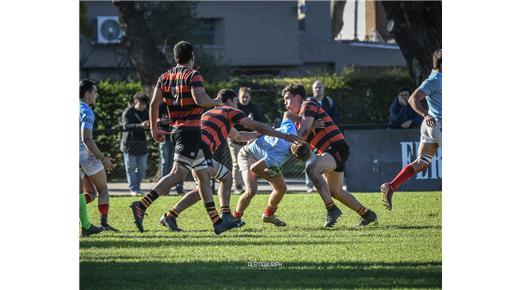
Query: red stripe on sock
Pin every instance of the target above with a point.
(268, 211)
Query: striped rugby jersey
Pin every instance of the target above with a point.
(216, 124)
(321, 138)
(176, 85)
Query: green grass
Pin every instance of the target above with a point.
(402, 251)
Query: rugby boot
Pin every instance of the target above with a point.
(387, 191)
(332, 216)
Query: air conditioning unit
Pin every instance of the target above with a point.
(108, 30)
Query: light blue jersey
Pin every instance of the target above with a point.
(432, 88)
(275, 151)
(86, 120)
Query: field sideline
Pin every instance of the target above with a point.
(402, 251)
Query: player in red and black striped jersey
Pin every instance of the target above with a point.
(217, 124)
(181, 88)
(332, 154)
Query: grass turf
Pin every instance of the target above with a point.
(402, 251)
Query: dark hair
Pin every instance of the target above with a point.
(85, 86)
(437, 58)
(402, 89)
(295, 89)
(301, 151)
(141, 97)
(226, 94)
(183, 52)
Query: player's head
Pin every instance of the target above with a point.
(301, 151)
(141, 101)
(244, 95)
(228, 97)
(437, 59)
(88, 91)
(318, 89)
(293, 95)
(403, 94)
(183, 53)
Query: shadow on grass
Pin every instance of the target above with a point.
(206, 275)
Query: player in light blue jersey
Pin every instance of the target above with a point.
(92, 161)
(264, 158)
(431, 128)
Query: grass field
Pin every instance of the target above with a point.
(402, 251)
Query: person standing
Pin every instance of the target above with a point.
(182, 89)
(133, 143)
(251, 111)
(93, 162)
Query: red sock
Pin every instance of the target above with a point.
(269, 211)
(237, 214)
(407, 172)
(103, 209)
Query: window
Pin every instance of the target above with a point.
(205, 34)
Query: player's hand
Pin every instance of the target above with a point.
(317, 124)
(406, 124)
(107, 163)
(158, 135)
(430, 121)
(218, 102)
(145, 124)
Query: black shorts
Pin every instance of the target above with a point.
(187, 146)
(340, 152)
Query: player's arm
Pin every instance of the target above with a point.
(305, 126)
(86, 138)
(202, 99)
(415, 101)
(242, 136)
(157, 134)
(267, 130)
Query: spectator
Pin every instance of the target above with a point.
(251, 110)
(401, 113)
(166, 147)
(133, 144)
(328, 105)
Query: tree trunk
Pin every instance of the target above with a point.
(418, 32)
(338, 6)
(147, 59)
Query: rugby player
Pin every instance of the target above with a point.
(264, 157)
(182, 89)
(92, 161)
(332, 154)
(431, 128)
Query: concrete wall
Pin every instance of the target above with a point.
(257, 33)
(377, 156)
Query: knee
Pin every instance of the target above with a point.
(312, 172)
(422, 162)
(249, 193)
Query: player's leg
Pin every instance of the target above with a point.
(335, 181)
(87, 228)
(206, 193)
(222, 174)
(99, 180)
(277, 182)
(315, 169)
(88, 190)
(430, 140)
(250, 181)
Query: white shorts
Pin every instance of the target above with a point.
(219, 171)
(432, 135)
(246, 158)
(89, 164)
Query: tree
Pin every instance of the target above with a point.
(418, 32)
(152, 29)
(149, 62)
